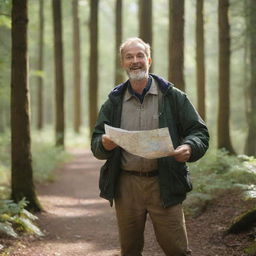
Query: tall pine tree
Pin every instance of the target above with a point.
(22, 174)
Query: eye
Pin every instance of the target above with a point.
(128, 57)
(140, 56)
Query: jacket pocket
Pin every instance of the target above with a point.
(104, 177)
(180, 180)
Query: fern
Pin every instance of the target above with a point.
(14, 218)
(217, 172)
(27, 225)
(7, 229)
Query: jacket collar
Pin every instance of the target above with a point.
(119, 90)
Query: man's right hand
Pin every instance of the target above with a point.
(108, 144)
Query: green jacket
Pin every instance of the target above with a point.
(185, 126)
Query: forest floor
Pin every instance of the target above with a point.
(76, 222)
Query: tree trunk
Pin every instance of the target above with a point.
(59, 74)
(93, 65)
(40, 66)
(77, 67)
(224, 77)
(200, 64)
(251, 137)
(145, 20)
(118, 71)
(22, 174)
(145, 23)
(176, 46)
(243, 222)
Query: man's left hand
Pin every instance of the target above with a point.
(182, 153)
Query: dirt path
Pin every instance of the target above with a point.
(79, 223)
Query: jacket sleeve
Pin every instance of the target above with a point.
(104, 117)
(192, 128)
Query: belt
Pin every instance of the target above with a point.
(143, 174)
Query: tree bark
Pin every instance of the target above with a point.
(59, 74)
(200, 64)
(224, 78)
(93, 65)
(77, 67)
(118, 25)
(176, 45)
(145, 23)
(22, 174)
(243, 222)
(251, 137)
(40, 66)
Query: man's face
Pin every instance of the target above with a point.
(135, 61)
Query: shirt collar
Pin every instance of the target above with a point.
(152, 89)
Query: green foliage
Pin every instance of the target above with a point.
(5, 21)
(37, 73)
(81, 140)
(4, 165)
(5, 7)
(14, 219)
(251, 250)
(217, 172)
(45, 160)
(5, 59)
(46, 156)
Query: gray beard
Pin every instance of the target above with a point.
(138, 75)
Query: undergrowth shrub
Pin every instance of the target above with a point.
(45, 155)
(15, 219)
(215, 172)
(45, 158)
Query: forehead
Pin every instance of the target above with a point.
(134, 48)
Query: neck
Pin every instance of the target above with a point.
(139, 85)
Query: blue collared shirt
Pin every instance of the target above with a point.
(145, 90)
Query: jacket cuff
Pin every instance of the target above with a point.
(192, 157)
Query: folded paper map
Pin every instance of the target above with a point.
(148, 144)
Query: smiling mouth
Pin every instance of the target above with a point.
(135, 68)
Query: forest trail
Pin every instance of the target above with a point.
(77, 222)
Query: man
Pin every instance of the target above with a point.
(142, 186)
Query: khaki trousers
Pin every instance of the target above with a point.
(137, 196)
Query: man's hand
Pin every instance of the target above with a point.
(108, 144)
(182, 153)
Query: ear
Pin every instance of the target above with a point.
(149, 61)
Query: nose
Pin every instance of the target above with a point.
(134, 59)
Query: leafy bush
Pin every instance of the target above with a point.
(45, 157)
(216, 172)
(14, 219)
